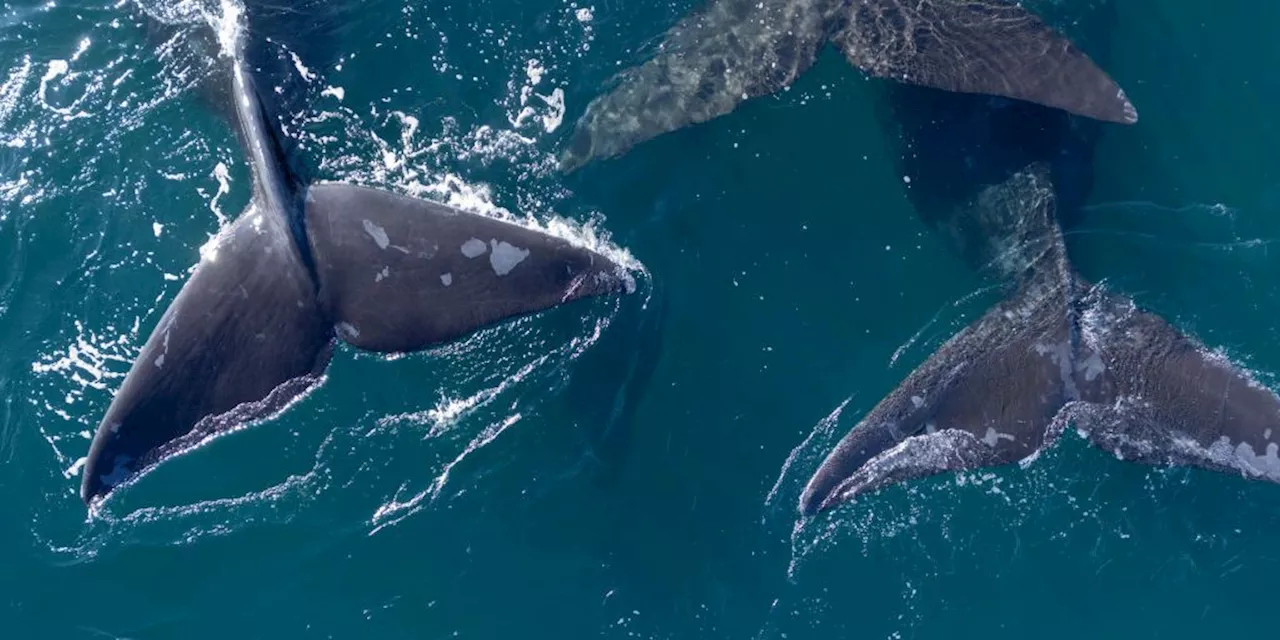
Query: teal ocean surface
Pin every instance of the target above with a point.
(623, 468)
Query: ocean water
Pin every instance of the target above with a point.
(616, 468)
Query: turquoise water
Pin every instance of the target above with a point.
(611, 469)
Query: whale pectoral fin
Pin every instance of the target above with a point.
(708, 64)
(994, 47)
(1159, 396)
(400, 274)
(242, 338)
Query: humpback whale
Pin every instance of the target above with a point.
(307, 263)
(998, 178)
(734, 50)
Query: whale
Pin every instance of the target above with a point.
(309, 264)
(730, 51)
(999, 179)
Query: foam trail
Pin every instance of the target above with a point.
(401, 510)
(825, 428)
(904, 347)
(447, 413)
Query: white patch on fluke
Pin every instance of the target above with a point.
(1263, 465)
(446, 279)
(386, 271)
(505, 257)
(349, 330)
(453, 191)
(378, 234)
(1092, 367)
(474, 248)
(993, 437)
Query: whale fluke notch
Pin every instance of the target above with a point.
(253, 326)
(995, 47)
(401, 274)
(990, 393)
(1058, 352)
(251, 329)
(733, 50)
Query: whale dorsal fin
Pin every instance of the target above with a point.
(995, 47)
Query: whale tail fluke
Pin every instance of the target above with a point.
(1057, 353)
(734, 50)
(253, 326)
(995, 47)
(988, 395)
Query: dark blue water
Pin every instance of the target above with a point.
(614, 468)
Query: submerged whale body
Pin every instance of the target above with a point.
(733, 50)
(254, 325)
(997, 180)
